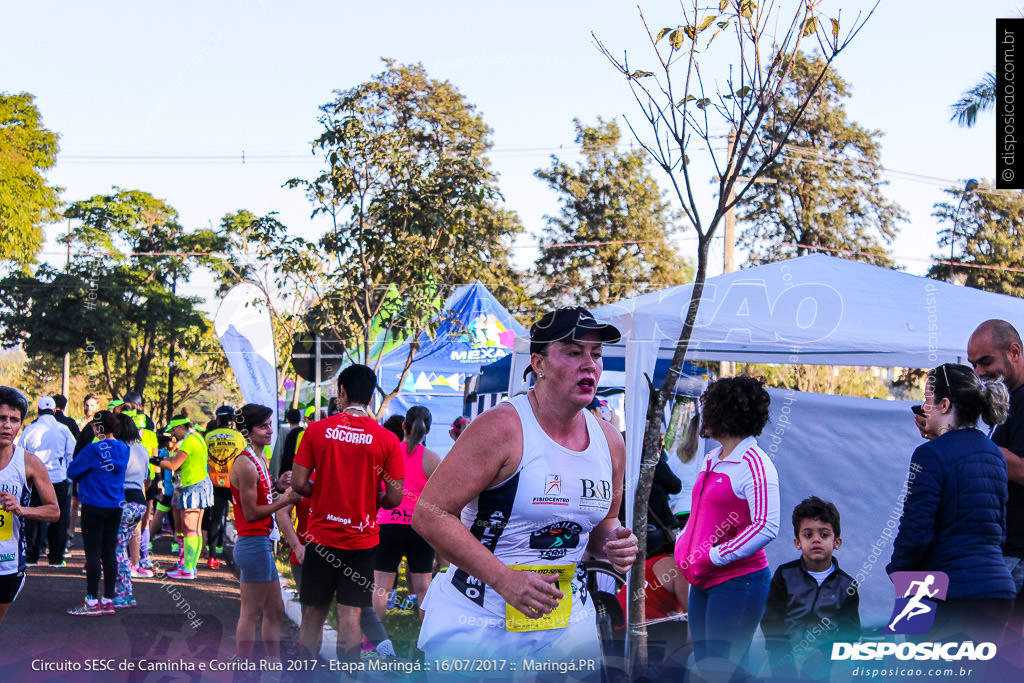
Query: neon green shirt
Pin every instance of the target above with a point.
(147, 438)
(193, 470)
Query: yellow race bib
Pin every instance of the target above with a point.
(6, 525)
(559, 617)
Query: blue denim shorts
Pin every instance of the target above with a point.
(254, 556)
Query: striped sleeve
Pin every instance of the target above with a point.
(760, 488)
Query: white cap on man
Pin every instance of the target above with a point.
(46, 403)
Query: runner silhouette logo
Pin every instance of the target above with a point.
(917, 594)
(555, 540)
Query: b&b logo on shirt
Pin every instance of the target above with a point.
(596, 494)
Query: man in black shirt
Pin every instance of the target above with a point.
(995, 350)
(291, 439)
(61, 403)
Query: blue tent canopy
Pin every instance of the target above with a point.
(474, 330)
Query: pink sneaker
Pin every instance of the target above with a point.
(87, 610)
(181, 574)
(141, 573)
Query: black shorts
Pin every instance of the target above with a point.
(398, 541)
(10, 586)
(333, 572)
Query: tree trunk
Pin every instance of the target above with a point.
(145, 361)
(651, 454)
(108, 375)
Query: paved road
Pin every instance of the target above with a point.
(178, 631)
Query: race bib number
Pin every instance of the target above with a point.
(559, 617)
(6, 525)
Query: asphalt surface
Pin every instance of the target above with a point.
(180, 630)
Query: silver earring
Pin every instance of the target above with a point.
(540, 376)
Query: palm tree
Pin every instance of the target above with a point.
(978, 99)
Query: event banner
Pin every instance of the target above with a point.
(244, 328)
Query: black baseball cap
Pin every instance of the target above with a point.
(567, 324)
(225, 411)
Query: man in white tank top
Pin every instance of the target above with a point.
(528, 488)
(19, 473)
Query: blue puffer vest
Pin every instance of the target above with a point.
(954, 517)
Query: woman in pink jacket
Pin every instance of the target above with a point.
(735, 513)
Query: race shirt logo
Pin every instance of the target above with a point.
(597, 495)
(555, 540)
(348, 435)
(552, 492)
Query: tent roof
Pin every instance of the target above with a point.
(818, 310)
(474, 330)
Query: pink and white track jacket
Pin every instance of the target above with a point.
(735, 513)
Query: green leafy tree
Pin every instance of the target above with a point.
(116, 301)
(825, 190)
(821, 379)
(27, 202)
(411, 200)
(984, 228)
(613, 236)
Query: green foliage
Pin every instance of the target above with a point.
(827, 187)
(412, 204)
(821, 379)
(116, 301)
(613, 237)
(980, 97)
(988, 230)
(27, 202)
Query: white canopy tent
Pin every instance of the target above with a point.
(815, 309)
(810, 310)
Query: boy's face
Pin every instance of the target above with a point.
(816, 542)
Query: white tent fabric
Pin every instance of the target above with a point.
(812, 310)
(817, 310)
(854, 452)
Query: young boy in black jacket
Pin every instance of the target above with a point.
(812, 602)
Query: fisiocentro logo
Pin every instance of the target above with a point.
(917, 596)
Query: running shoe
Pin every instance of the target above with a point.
(367, 645)
(107, 606)
(219, 549)
(174, 547)
(87, 610)
(386, 649)
(181, 574)
(59, 564)
(124, 603)
(213, 563)
(142, 573)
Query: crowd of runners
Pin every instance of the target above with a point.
(494, 536)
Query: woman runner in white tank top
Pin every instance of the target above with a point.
(528, 487)
(19, 472)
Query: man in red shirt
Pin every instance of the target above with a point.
(352, 456)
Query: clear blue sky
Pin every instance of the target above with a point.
(205, 81)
